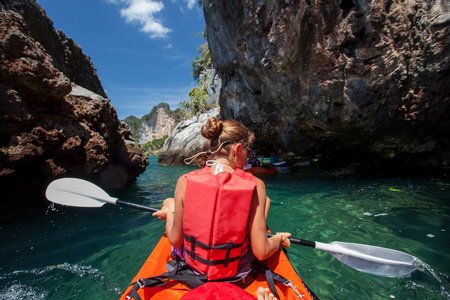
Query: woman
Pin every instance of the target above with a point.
(219, 212)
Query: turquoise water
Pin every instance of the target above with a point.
(81, 253)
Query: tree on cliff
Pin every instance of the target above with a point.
(198, 96)
(202, 61)
(155, 144)
(176, 114)
(133, 123)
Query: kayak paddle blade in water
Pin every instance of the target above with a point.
(371, 259)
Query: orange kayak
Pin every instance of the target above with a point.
(156, 265)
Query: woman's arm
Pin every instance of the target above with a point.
(262, 246)
(174, 217)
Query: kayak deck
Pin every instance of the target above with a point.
(156, 265)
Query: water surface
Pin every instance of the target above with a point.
(93, 253)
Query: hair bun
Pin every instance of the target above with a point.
(212, 128)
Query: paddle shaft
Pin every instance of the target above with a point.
(134, 205)
(298, 241)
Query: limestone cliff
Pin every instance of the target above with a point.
(160, 122)
(186, 139)
(213, 84)
(366, 78)
(50, 126)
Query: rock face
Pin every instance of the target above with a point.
(344, 78)
(157, 124)
(212, 86)
(65, 53)
(49, 126)
(186, 139)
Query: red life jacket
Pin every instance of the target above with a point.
(215, 220)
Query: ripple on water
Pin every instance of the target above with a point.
(20, 291)
(69, 282)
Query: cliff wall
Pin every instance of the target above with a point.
(160, 122)
(349, 79)
(186, 140)
(50, 126)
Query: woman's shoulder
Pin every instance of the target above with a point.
(202, 171)
(248, 176)
(260, 183)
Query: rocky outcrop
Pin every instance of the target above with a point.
(186, 139)
(49, 126)
(66, 55)
(160, 122)
(342, 78)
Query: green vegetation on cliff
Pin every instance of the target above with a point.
(203, 61)
(134, 123)
(155, 144)
(198, 96)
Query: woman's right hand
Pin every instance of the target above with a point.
(168, 206)
(162, 213)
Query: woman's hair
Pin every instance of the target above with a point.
(221, 137)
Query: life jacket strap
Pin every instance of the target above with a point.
(227, 255)
(271, 277)
(224, 261)
(177, 273)
(228, 246)
(207, 247)
(193, 244)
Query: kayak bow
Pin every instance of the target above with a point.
(156, 265)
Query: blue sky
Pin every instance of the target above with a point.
(142, 49)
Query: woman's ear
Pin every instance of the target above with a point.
(237, 148)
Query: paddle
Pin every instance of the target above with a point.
(365, 258)
(81, 193)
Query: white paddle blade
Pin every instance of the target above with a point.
(77, 192)
(371, 259)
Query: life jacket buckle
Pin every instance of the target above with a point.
(141, 283)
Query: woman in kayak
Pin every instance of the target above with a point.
(219, 211)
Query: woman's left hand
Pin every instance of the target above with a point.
(285, 241)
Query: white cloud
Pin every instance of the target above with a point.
(191, 3)
(143, 12)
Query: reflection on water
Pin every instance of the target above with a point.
(93, 253)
